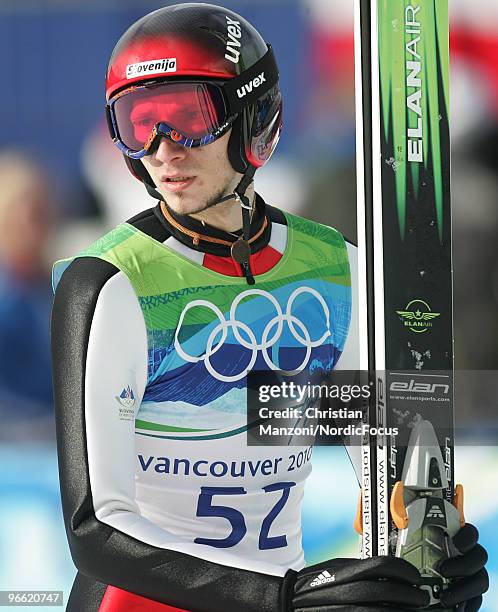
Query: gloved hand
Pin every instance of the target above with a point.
(467, 569)
(378, 584)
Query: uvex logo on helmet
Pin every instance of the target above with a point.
(248, 87)
(151, 67)
(234, 33)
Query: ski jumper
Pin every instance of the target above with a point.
(152, 342)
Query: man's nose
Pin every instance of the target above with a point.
(168, 151)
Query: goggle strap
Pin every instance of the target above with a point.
(253, 83)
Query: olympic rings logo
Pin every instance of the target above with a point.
(273, 328)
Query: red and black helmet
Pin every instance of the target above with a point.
(208, 55)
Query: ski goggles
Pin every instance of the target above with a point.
(190, 113)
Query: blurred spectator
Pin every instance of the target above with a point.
(474, 102)
(26, 219)
(326, 141)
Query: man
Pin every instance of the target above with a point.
(156, 325)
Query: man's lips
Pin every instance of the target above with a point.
(177, 182)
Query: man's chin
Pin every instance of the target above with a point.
(184, 204)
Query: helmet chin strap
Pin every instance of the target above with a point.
(241, 250)
(153, 192)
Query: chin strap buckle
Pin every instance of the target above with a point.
(243, 201)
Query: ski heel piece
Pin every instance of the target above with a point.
(425, 518)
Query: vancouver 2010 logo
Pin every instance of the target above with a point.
(417, 316)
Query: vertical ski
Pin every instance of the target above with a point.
(408, 504)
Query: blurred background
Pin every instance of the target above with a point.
(63, 183)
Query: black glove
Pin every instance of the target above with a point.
(355, 585)
(470, 578)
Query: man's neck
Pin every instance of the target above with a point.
(226, 216)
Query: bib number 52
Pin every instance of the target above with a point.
(206, 508)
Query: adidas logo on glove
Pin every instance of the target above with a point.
(322, 578)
